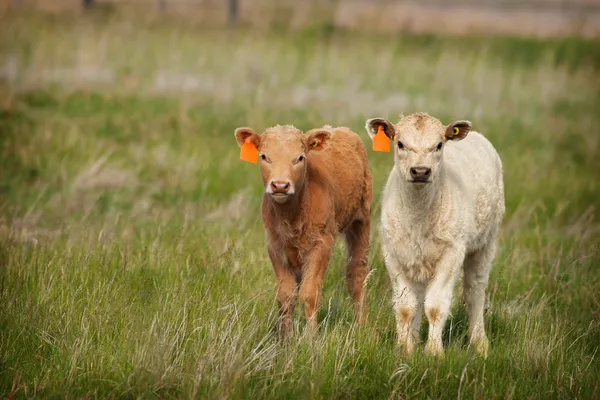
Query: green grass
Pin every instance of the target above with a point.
(132, 257)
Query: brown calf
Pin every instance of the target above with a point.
(317, 185)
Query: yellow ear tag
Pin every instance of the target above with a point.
(380, 141)
(314, 144)
(249, 152)
(456, 131)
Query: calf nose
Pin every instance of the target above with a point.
(420, 173)
(280, 186)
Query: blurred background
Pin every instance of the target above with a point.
(132, 255)
(517, 17)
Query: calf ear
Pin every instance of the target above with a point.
(243, 134)
(458, 130)
(316, 139)
(373, 125)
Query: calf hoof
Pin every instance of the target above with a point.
(434, 349)
(406, 349)
(482, 346)
(285, 332)
(406, 345)
(360, 319)
(311, 329)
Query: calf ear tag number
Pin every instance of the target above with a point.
(249, 152)
(381, 141)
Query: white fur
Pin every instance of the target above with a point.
(431, 231)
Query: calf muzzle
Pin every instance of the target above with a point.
(420, 174)
(280, 187)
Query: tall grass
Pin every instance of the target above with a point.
(132, 260)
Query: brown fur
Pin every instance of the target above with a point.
(433, 315)
(405, 314)
(332, 196)
(420, 120)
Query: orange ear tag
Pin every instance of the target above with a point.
(249, 152)
(381, 142)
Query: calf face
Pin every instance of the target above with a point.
(419, 140)
(282, 152)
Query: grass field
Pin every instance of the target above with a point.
(132, 257)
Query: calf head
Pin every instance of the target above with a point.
(282, 152)
(419, 140)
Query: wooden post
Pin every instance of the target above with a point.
(87, 4)
(233, 11)
(162, 5)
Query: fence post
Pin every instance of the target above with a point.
(87, 4)
(162, 5)
(233, 11)
(16, 3)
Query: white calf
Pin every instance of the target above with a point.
(442, 208)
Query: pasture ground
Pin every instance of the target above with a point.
(132, 259)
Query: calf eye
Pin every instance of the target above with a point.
(439, 146)
(301, 158)
(400, 145)
(263, 157)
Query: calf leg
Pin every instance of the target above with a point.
(476, 273)
(408, 307)
(286, 299)
(438, 297)
(357, 268)
(312, 280)
(287, 294)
